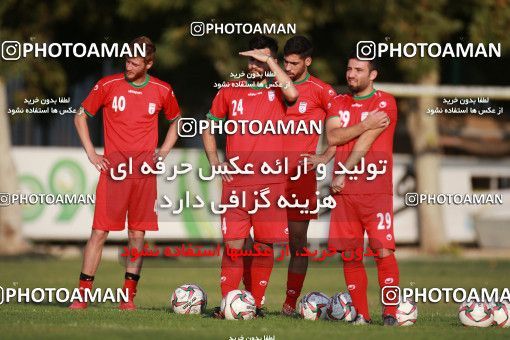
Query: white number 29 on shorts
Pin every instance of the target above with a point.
(384, 221)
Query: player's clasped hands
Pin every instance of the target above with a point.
(337, 184)
(312, 160)
(99, 161)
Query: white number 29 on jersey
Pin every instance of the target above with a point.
(384, 221)
(119, 104)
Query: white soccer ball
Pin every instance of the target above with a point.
(189, 299)
(501, 312)
(340, 308)
(313, 306)
(475, 314)
(238, 305)
(407, 313)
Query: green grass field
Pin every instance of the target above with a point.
(153, 319)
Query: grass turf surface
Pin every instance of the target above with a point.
(154, 319)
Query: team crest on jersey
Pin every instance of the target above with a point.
(302, 107)
(270, 95)
(152, 108)
(382, 104)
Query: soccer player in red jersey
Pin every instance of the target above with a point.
(252, 102)
(131, 102)
(364, 199)
(314, 96)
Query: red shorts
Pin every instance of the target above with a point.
(303, 188)
(355, 214)
(269, 224)
(134, 197)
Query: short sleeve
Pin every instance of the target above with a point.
(219, 108)
(331, 108)
(95, 100)
(327, 93)
(171, 106)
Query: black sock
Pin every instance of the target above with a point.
(85, 277)
(131, 276)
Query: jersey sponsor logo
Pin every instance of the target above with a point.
(382, 104)
(152, 108)
(302, 107)
(356, 105)
(270, 95)
(253, 94)
(135, 92)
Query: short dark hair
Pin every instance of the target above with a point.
(150, 48)
(299, 45)
(373, 64)
(263, 41)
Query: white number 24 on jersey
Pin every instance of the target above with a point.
(237, 107)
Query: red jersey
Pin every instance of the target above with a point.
(262, 104)
(314, 96)
(130, 116)
(351, 111)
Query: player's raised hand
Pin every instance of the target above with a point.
(99, 161)
(256, 54)
(337, 184)
(376, 119)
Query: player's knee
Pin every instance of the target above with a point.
(133, 234)
(235, 244)
(99, 235)
(382, 252)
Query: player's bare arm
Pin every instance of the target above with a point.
(360, 149)
(290, 92)
(211, 151)
(338, 135)
(169, 142)
(80, 121)
(323, 158)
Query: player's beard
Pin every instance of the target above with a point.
(135, 76)
(297, 75)
(359, 87)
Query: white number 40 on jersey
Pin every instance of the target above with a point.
(119, 104)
